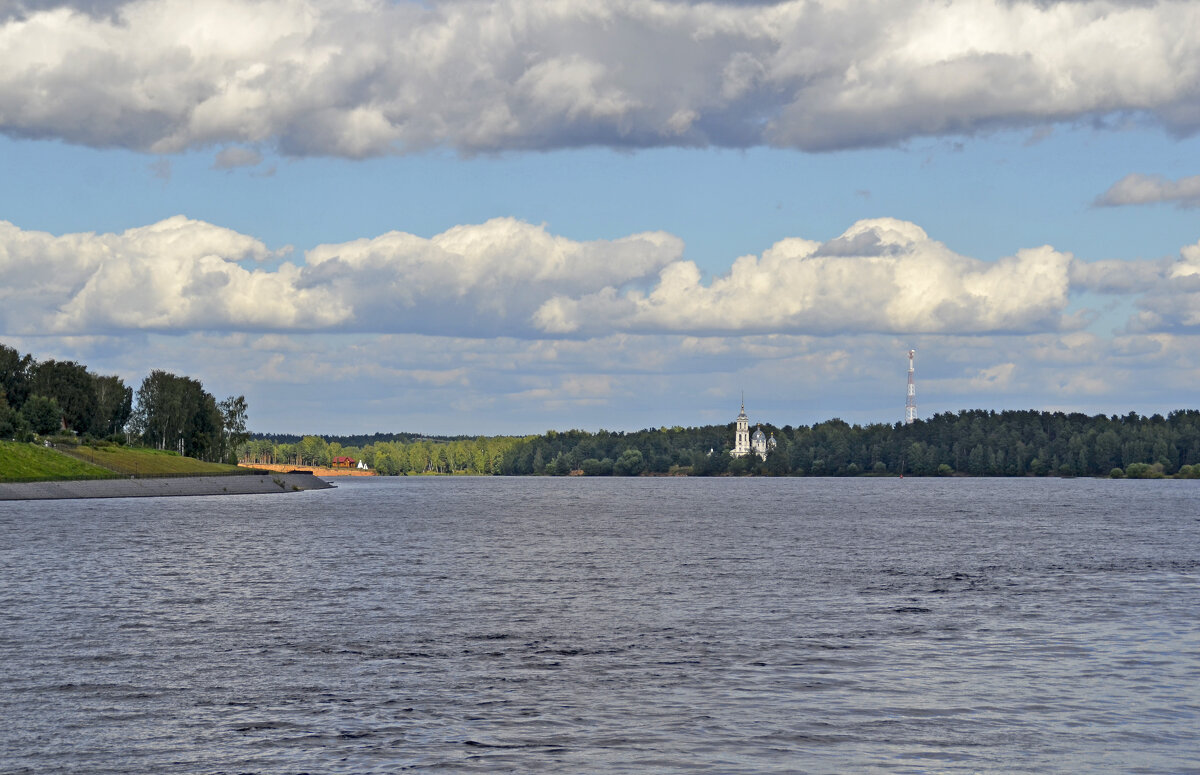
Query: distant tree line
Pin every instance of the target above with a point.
(970, 442)
(171, 412)
(415, 455)
(359, 440)
(616, 453)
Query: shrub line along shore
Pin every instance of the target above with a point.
(273, 483)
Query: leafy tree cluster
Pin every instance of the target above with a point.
(417, 455)
(171, 412)
(970, 442)
(177, 413)
(49, 396)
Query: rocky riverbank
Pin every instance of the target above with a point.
(254, 484)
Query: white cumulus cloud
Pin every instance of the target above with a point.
(881, 275)
(371, 77)
(509, 278)
(175, 274)
(485, 278)
(180, 274)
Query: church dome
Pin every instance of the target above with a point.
(759, 435)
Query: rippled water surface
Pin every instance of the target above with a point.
(615, 625)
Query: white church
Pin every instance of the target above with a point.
(746, 444)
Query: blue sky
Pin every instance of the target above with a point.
(985, 196)
(1009, 187)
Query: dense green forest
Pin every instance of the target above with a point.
(973, 442)
(168, 412)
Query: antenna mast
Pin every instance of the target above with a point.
(910, 406)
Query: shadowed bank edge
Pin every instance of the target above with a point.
(164, 486)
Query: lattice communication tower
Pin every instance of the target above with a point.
(910, 406)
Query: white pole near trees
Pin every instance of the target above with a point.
(910, 405)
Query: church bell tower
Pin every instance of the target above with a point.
(741, 436)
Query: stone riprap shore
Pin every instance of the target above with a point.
(253, 484)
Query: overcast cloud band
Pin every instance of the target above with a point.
(371, 78)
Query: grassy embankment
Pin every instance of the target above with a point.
(20, 462)
(148, 462)
(34, 463)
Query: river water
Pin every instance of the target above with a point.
(607, 625)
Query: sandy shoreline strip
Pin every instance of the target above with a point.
(314, 470)
(253, 484)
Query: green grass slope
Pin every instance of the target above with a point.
(149, 462)
(20, 462)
